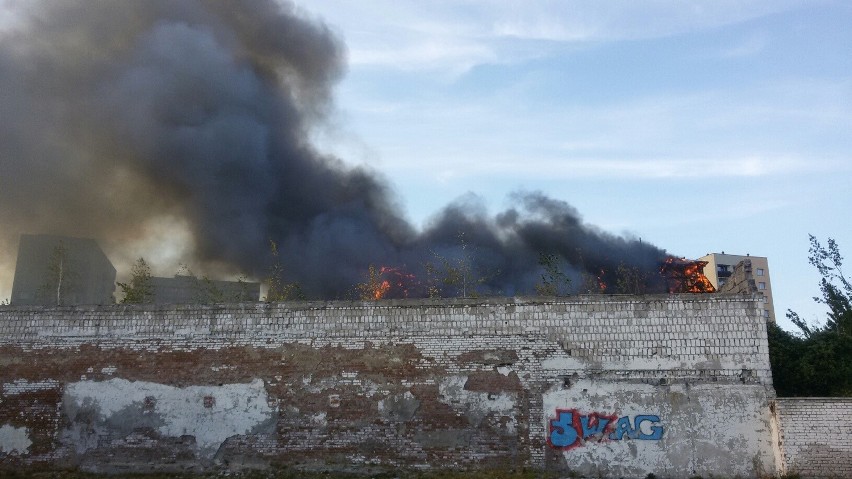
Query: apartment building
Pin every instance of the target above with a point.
(720, 266)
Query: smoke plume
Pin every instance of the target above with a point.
(139, 123)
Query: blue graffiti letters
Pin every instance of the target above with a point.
(656, 431)
(563, 434)
(596, 429)
(622, 428)
(571, 428)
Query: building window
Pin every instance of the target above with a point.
(761, 286)
(765, 313)
(760, 271)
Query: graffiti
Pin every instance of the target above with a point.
(571, 429)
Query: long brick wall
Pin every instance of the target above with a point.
(621, 332)
(816, 436)
(601, 385)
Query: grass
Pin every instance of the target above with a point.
(292, 474)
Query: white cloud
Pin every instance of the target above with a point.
(572, 21)
(643, 168)
(454, 36)
(749, 133)
(451, 57)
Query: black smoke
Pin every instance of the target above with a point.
(118, 114)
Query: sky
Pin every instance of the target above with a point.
(697, 126)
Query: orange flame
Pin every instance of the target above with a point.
(601, 282)
(399, 281)
(386, 282)
(381, 290)
(685, 276)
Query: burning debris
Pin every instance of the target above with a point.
(386, 282)
(686, 276)
(601, 283)
(399, 283)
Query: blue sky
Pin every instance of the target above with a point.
(697, 126)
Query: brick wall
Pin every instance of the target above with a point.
(816, 436)
(682, 334)
(675, 385)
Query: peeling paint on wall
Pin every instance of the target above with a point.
(400, 407)
(676, 386)
(665, 430)
(477, 405)
(14, 440)
(211, 414)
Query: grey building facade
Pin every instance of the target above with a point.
(190, 289)
(62, 270)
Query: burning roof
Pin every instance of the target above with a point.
(686, 276)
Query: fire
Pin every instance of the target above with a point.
(601, 282)
(686, 276)
(399, 281)
(381, 290)
(386, 282)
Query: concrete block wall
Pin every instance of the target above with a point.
(816, 436)
(614, 386)
(720, 336)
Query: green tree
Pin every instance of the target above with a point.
(591, 284)
(242, 293)
(445, 276)
(819, 361)
(553, 281)
(140, 288)
(630, 280)
(835, 288)
(374, 286)
(455, 276)
(206, 291)
(278, 288)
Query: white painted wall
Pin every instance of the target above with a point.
(236, 409)
(723, 430)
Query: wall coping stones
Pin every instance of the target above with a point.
(722, 335)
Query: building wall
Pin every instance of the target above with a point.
(609, 386)
(189, 289)
(816, 436)
(88, 275)
(759, 265)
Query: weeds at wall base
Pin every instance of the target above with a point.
(783, 476)
(293, 474)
